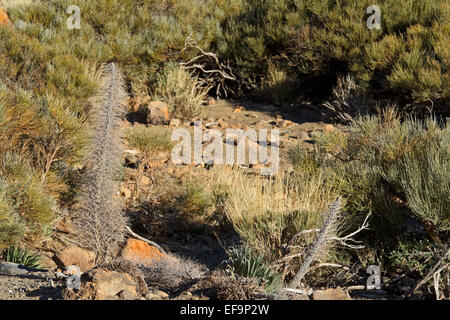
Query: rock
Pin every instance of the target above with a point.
(84, 259)
(158, 113)
(210, 125)
(222, 124)
(4, 20)
(303, 135)
(140, 252)
(109, 285)
(68, 294)
(132, 152)
(162, 294)
(131, 160)
(315, 133)
(145, 181)
(72, 270)
(47, 263)
(328, 128)
(331, 294)
(126, 295)
(12, 268)
(125, 192)
(170, 170)
(153, 296)
(175, 122)
(283, 123)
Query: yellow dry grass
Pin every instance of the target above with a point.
(268, 212)
(14, 3)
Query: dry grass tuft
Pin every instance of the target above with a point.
(267, 213)
(182, 91)
(15, 3)
(150, 140)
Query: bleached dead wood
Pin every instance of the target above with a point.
(320, 243)
(326, 236)
(214, 72)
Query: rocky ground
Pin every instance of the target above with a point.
(200, 277)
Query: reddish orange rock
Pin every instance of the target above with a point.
(4, 20)
(140, 252)
(328, 128)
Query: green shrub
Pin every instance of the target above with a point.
(52, 136)
(150, 140)
(267, 213)
(12, 227)
(246, 263)
(394, 169)
(275, 46)
(312, 42)
(23, 257)
(183, 92)
(416, 255)
(26, 207)
(194, 201)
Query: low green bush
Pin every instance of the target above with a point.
(23, 257)
(412, 256)
(244, 262)
(194, 201)
(150, 140)
(183, 92)
(283, 49)
(394, 169)
(312, 42)
(26, 206)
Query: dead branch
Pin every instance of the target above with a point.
(299, 291)
(320, 243)
(331, 265)
(324, 238)
(290, 245)
(214, 73)
(302, 233)
(349, 238)
(438, 267)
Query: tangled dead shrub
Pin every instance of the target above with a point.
(171, 271)
(345, 103)
(223, 287)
